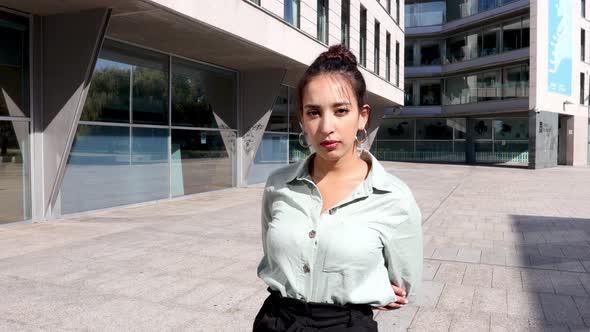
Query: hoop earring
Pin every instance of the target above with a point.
(303, 140)
(365, 136)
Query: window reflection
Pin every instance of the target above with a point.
(108, 96)
(14, 60)
(202, 96)
(201, 161)
(430, 53)
(14, 171)
(430, 93)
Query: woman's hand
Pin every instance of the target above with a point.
(401, 299)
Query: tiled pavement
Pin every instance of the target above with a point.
(506, 249)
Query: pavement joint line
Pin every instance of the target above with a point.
(452, 191)
(508, 266)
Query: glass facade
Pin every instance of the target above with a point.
(430, 93)
(140, 140)
(15, 197)
(497, 140)
(388, 56)
(501, 83)
(508, 36)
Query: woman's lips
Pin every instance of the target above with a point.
(330, 145)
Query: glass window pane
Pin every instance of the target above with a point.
(98, 173)
(291, 12)
(511, 36)
(201, 161)
(273, 153)
(490, 41)
(511, 129)
(149, 164)
(430, 53)
(489, 87)
(514, 147)
(409, 94)
(459, 124)
(396, 129)
(514, 83)
(429, 12)
(409, 54)
(294, 113)
(483, 147)
(456, 91)
(380, 146)
(482, 129)
(296, 151)
(203, 96)
(108, 96)
(472, 45)
(15, 198)
(429, 93)
(433, 129)
(279, 118)
(457, 49)
(422, 146)
(150, 89)
(14, 69)
(322, 23)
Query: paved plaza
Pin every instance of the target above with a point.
(505, 249)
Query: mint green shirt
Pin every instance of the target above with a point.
(351, 253)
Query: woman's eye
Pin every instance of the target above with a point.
(313, 113)
(341, 111)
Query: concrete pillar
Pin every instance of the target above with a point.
(543, 131)
(258, 91)
(67, 46)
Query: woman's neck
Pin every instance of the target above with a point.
(344, 167)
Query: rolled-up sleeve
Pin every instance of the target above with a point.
(403, 250)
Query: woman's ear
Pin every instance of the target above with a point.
(364, 113)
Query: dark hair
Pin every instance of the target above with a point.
(336, 60)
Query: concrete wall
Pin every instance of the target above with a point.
(543, 131)
(70, 44)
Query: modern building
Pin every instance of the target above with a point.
(493, 81)
(115, 102)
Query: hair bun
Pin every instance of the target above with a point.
(339, 52)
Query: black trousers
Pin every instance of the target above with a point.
(291, 315)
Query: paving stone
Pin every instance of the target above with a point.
(524, 304)
(396, 320)
(429, 269)
(478, 275)
(560, 308)
(469, 255)
(493, 257)
(468, 322)
(427, 320)
(489, 300)
(583, 305)
(570, 265)
(429, 293)
(506, 278)
(567, 283)
(450, 273)
(445, 254)
(508, 323)
(543, 262)
(535, 280)
(456, 298)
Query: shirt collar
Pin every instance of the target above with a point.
(377, 177)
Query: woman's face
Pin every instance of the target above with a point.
(331, 116)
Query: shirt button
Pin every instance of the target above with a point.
(306, 268)
(332, 211)
(311, 234)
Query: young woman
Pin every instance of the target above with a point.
(337, 230)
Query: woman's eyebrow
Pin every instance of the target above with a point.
(344, 103)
